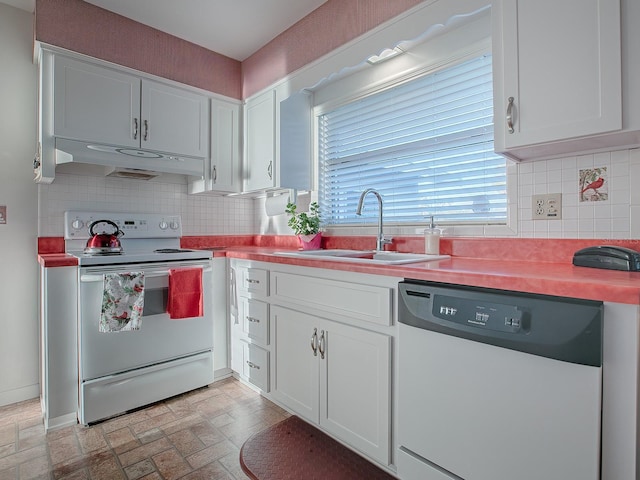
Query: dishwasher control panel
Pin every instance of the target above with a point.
(494, 316)
(567, 329)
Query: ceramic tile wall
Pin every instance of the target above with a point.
(201, 214)
(616, 217)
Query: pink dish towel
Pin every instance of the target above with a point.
(185, 293)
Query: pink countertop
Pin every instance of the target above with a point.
(52, 260)
(526, 265)
(561, 279)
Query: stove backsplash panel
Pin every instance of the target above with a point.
(201, 215)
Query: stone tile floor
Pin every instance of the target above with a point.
(197, 435)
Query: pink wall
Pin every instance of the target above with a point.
(331, 25)
(85, 28)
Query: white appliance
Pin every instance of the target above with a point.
(124, 370)
(125, 159)
(497, 386)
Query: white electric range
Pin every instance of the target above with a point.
(120, 371)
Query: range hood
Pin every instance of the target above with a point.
(143, 163)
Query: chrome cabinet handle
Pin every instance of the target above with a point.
(146, 130)
(270, 170)
(215, 174)
(321, 344)
(253, 319)
(314, 342)
(250, 280)
(135, 128)
(253, 365)
(510, 115)
(234, 296)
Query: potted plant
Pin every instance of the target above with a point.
(306, 225)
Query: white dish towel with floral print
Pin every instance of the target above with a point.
(122, 302)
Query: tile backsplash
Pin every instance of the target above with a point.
(201, 214)
(611, 218)
(617, 217)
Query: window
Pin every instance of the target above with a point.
(426, 145)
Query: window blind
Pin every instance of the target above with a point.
(425, 145)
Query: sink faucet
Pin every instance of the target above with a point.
(380, 241)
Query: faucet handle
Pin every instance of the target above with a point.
(386, 240)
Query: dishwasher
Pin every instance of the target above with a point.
(497, 385)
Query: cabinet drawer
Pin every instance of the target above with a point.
(255, 365)
(255, 280)
(255, 319)
(364, 302)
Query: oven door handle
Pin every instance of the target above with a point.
(99, 277)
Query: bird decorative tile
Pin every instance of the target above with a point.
(594, 184)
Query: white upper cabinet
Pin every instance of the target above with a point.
(103, 105)
(557, 74)
(174, 120)
(260, 147)
(225, 146)
(278, 146)
(95, 104)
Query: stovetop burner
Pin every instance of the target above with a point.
(149, 237)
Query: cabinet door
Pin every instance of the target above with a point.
(225, 146)
(95, 104)
(355, 380)
(295, 371)
(174, 120)
(260, 142)
(560, 63)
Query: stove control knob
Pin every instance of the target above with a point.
(77, 224)
(163, 225)
(174, 225)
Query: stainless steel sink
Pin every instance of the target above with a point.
(364, 256)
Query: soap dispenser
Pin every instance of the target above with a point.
(432, 239)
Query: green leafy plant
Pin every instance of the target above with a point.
(304, 223)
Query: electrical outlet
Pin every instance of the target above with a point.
(547, 206)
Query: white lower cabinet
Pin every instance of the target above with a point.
(255, 365)
(249, 342)
(249, 327)
(58, 346)
(335, 375)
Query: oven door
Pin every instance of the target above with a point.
(159, 338)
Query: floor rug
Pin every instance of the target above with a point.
(295, 450)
